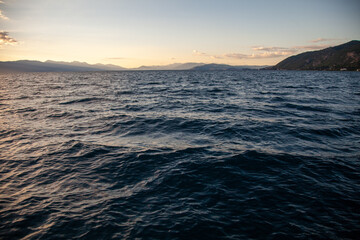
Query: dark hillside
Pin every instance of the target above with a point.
(341, 57)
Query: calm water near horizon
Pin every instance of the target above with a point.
(180, 155)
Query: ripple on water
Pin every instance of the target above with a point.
(180, 155)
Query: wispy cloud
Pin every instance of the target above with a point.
(216, 57)
(324, 40)
(248, 56)
(203, 54)
(258, 55)
(291, 50)
(265, 52)
(2, 16)
(262, 52)
(6, 40)
(312, 47)
(197, 53)
(271, 49)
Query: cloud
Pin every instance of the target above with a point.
(265, 54)
(290, 50)
(6, 40)
(262, 52)
(312, 47)
(271, 49)
(2, 16)
(216, 57)
(324, 40)
(237, 55)
(197, 53)
(295, 49)
(274, 52)
(258, 56)
(202, 54)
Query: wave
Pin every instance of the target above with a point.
(82, 100)
(179, 155)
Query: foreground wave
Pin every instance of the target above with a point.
(180, 155)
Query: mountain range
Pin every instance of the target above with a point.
(341, 57)
(55, 66)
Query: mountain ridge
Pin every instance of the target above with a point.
(38, 66)
(344, 57)
(338, 58)
(76, 66)
(223, 67)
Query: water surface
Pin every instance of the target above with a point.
(180, 155)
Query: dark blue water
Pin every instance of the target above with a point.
(180, 155)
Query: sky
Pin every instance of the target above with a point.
(131, 33)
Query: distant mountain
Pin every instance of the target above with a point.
(52, 66)
(341, 57)
(100, 67)
(174, 66)
(55, 66)
(221, 67)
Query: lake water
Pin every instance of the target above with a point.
(180, 155)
